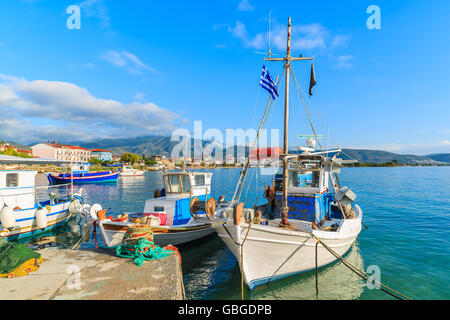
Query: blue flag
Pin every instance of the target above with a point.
(268, 83)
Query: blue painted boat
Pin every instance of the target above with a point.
(80, 175)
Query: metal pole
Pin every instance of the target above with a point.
(284, 207)
(317, 273)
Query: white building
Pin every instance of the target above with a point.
(61, 152)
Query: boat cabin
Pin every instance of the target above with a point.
(308, 198)
(194, 183)
(80, 168)
(17, 188)
(180, 188)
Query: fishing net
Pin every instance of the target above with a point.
(17, 259)
(143, 250)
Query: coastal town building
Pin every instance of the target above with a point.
(4, 146)
(157, 157)
(103, 155)
(61, 152)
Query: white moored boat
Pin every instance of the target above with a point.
(129, 171)
(168, 213)
(27, 210)
(306, 208)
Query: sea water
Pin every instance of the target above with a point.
(406, 244)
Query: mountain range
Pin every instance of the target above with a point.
(150, 145)
(163, 145)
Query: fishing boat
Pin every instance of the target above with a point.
(179, 213)
(307, 211)
(129, 171)
(27, 210)
(80, 174)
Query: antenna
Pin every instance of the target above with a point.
(270, 49)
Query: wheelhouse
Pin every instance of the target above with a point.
(190, 183)
(180, 188)
(17, 188)
(309, 198)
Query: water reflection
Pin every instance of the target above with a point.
(212, 272)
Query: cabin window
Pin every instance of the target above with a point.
(185, 183)
(166, 183)
(293, 179)
(12, 180)
(174, 182)
(158, 209)
(315, 179)
(200, 180)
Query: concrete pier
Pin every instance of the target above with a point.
(96, 274)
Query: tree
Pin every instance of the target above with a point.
(95, 161)
(129, 158)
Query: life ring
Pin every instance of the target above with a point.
(237, 213)
(193, 207)
(210, 208)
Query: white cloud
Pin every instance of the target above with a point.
(245, 5)
(304, 37)
(73, 112)
(344, 62)
(126, 60)
(340, 41)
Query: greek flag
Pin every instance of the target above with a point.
(268, 83)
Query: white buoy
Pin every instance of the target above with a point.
(75, 206)
(7, 217)
(41, 218)
(96, 207)
(87, 231)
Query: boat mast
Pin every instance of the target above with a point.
(284, 156)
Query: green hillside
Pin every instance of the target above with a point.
(442, 157)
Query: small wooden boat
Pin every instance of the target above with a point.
(177, 214)
(80, 175)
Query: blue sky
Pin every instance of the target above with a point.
(148, 67)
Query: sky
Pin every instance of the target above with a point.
(137, 68)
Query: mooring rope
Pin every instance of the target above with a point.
(360, 273)
(306, 109)
(242, 262)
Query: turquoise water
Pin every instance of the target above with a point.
(407, 210)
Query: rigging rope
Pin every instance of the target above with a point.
(360, 273)
(306, 109)
(241, 180)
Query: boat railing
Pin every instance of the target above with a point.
(40, 189)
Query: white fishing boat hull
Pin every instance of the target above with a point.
(114, 232)
(26, 226)
(271, 253)
(136, 173)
